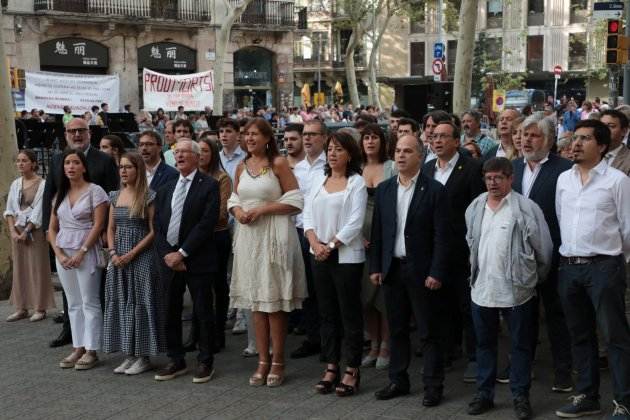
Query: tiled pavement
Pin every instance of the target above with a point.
(32, 386)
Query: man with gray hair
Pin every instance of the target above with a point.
(535, 177)
(471, 125)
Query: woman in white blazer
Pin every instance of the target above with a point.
(334, 211)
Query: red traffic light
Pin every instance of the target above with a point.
(614, 26)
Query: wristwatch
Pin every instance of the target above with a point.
(84, 249)
(331, 245)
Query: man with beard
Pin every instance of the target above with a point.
(293, 144)
(158, 172)
(471, 124)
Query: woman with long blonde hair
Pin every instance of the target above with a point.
(134, 322)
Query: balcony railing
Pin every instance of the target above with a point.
(268, 12)
(190, 10)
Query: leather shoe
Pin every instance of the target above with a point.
(432, 397)
(390, 391)
(65, 337)
(522, 408)
(58, 319)
(479, 405)
(305, 350)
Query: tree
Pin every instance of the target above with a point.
(234, 10)
(8, 150)
(462, 79)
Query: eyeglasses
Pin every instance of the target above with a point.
(310, 134)
(495, 178)
(74, 131)
(126, 167)
(147, 144)
(581, 138)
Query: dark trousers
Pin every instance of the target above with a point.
(459, 316)
(557, 329)
(200, 287)
(310, 310)
(592, 296)
(405, 295)
(520, 321)
(338, 288)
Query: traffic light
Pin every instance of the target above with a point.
(616, 44)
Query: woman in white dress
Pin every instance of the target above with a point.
(268, 274)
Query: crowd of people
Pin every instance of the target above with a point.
(432, 226)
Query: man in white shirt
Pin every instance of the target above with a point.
(510, 253)
(293, 144)
(593, 208)
(231, 153)
(618, 155)
(313, 138)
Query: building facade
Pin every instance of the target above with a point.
(169, 36)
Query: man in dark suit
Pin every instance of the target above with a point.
(535, 177)
(102, 171)
(461, 176)
(409, 257)
(158, 172)
(186, 212)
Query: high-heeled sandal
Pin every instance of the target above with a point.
(326, 387)
(345, 390)
(273, 379)
(258, 379)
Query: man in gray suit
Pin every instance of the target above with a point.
(618, 156)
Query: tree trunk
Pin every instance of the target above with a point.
(8, 150)
(221, 45)
(351, 76)
(376, 47)
(462, 80)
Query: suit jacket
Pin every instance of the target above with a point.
(196, 229)
(163, 174)
(622, 161)
(427, 229)
(492, 152)
(543, 191)
(462, 187)
(101, 169)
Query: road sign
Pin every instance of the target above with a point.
(438, 66)
(608, 10)
(557, 71)
(438, 50)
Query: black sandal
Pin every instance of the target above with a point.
(345, 390)
(326, 387)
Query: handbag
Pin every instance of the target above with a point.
(102, 256)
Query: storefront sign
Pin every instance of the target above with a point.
(167, 56)
(52, 91)
(192, 91)
(73, 52)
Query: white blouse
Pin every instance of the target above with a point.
(326, 213)
(32, 213)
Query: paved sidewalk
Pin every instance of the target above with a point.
(32, 386)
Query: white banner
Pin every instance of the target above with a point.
(52, 91)
(192, 91)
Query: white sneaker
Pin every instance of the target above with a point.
(240, 326)
(125, 365)
(141, 365)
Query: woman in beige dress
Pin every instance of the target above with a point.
(32, 287)
(268, 273)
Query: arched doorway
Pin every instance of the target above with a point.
(254, 85)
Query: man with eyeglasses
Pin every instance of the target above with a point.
(158, 172)
(102, 171)
(510, 253)
(313, 139)
(593, 208)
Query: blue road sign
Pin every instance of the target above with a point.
(438, 50)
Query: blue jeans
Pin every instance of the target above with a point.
(592, 296)
(520, 320)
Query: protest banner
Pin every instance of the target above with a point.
(52, 91)
(192, 91)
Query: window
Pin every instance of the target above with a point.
(577, 51)
(578, 11)
(495, 13)
(451, 53)
(416, 51)
(417, 25)
(493, 50)
(536, 12)
(535, 53)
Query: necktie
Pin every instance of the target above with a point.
(172, 235)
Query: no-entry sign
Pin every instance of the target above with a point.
(438, 66)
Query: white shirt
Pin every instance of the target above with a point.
(530, 175)
(403, 200)
(430, 155)
(492, 289)
(305, 172)
(595, 217)
(151, 172)
(231, 162)
(442, 174)
(500, 151)
(326, 213)
(190, 178)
